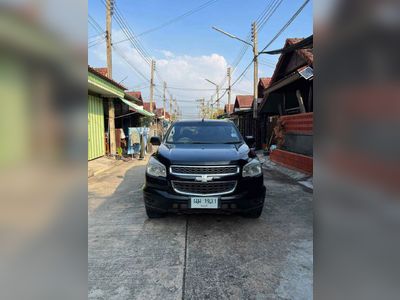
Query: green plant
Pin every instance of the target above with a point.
(119, 151)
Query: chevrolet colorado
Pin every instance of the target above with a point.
(203, 166)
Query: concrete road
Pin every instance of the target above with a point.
(197, 256)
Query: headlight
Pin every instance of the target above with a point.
(252, 169)
(155, 168)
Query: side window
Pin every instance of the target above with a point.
(171, 135)
(233, 133)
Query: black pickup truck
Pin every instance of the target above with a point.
(203, 166)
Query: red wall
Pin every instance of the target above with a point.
(300, 123)
(292, 160)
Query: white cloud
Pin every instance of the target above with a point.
(182, 71)
(167, 54)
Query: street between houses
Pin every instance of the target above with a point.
(197, 256)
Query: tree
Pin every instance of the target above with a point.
(217, 113)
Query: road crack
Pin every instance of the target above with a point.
(184, 258)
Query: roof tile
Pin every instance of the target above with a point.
(244, 101)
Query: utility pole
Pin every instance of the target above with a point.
(170, 108)
(153, 67)
(229, 90)
(164, 99)
(109, 13)
(175, 111)
(217, 92)
(203, 109)
(218, 100)
(202, 112)
(212, 107)
(255, 53)
(111, 109)
(255, 59)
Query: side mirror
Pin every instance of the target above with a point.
(155, 141)
(250, 140)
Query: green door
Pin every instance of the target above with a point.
(96, 146)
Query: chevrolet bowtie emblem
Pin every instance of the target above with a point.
(204, 178)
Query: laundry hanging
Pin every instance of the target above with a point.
(134, 134)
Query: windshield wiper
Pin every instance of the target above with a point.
(238, 142)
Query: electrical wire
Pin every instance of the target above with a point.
(189, 89)
(135, 42)
(260, 21)
(96, 42)
(272, 8)
(97, 35)
(128, 32)
(100, 37)
(95, 25)
(167, 23)
(129, 63)
(294, 16)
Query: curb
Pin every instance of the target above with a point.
(300, 177)
(92, 173)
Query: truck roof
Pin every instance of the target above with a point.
(203, 120)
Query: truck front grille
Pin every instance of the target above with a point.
(205, 170)
(204, 188)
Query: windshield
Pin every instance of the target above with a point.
(203, 133)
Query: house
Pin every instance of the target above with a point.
(101, 90)
(146, 106)
(102, 71)
(137, 95)
(287, 105)
(260, 124)
(290, 88)
(243, 102)
(128, 112)
(159, 112)
(228, 109)
(242, 114)
(263, 84)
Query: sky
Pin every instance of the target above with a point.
(189, 51)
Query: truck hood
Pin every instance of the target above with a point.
(202, 154)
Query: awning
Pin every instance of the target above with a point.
(103, 87)
(137, 108)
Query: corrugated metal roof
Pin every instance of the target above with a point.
(137, 108)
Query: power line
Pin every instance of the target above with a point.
(96, 42)
(94, 24)
(242, 91)
(260, 21)
(130, 64)
(287, 24)
(101, 33)
(295, 15)
(97, 35)
(128, 32)
(186, 14)
(271, 10)
(189, 89)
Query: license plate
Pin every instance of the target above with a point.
(204, 202)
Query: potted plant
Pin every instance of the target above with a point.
(119, 153)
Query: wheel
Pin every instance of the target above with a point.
(253, 214)
(153, 214)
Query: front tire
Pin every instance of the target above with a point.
(154, 214)
(254, 213)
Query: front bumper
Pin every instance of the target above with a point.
(249, 195)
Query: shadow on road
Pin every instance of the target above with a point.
(199, 256)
